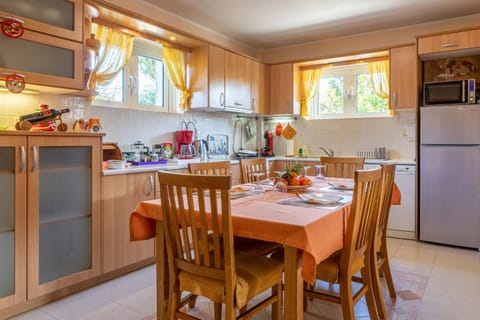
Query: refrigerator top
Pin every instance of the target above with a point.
(453, 124)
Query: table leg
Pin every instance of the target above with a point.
(293, 285)
(162, 273)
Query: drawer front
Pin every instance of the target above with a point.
(449, 42)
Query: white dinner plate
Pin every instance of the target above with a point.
(341, 186)
(320, 198)
(238, 192)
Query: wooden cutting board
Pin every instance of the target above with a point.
(288, 132)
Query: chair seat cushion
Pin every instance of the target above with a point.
(329, 269)
(255, 274)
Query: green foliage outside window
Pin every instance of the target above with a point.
(367, 99)
(331, 95)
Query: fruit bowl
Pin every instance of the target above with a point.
(298, 188)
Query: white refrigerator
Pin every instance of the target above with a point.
(449, 171)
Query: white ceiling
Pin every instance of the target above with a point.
(277, 23)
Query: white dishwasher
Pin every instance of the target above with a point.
(402, 219)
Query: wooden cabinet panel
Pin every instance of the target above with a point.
(120, 196)
(449, 42)
(404, 82)
(281, 89)
(43, 60)
(59, 18)
(13, 224)
(238, 82)
(259, 85)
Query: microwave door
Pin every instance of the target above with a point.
(445, 94)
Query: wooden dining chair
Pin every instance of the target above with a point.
(341, 167)
(249, 166)
(252, 246)
(197, 208)
(379, 257)
(210, 168)
(354, 257)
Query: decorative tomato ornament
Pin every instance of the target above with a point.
(12, 28)
(278, 129)
(15, 83)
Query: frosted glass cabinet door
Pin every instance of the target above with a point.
(12, 220)
(60, 18)
(65, 198)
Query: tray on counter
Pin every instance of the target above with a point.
(136, 163)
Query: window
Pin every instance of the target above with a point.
(142, 84)
(346, 92)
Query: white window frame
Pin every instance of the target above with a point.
(147, 48)
(349, 73)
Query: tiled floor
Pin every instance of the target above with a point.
(433, 283)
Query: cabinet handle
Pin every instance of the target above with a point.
(150, 191)
(449, 45)
(238, 104)
(253, 103)
(222, 99)
(23, 159)
(35, 158)
(395, 99)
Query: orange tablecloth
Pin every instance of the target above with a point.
(318, 231)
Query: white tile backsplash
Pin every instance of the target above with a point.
(125, 126)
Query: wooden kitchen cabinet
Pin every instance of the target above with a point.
(63, 215)
(50, 52)
(238, 82)
(206, 76)
(120, 195)
(259, 88)
(449, 42)
(282, 93)
(13, 224)
(58, 18)
(404, 82)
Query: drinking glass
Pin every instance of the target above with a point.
(305, 170)
(258, 187)
(319, 168)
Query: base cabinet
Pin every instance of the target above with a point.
(120, 195)
(49, 213)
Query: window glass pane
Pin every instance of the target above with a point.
(150, 81)
(368, 100)
(111, 90)
(331, 95)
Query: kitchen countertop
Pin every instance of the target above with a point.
(182, 164)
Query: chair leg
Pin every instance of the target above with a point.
(346, 299)
(388, 273)
(366, 276)
(217, 311)
(277, 306)
(377, 290)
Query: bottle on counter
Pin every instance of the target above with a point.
(43, 115)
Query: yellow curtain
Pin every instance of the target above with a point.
(309, 83)
(115, 51)
(380, 76)
(175, 64)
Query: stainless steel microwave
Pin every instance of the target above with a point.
(449, 92)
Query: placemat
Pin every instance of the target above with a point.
(300, 203)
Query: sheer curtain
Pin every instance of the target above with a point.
(380, 76)
(114, 53)
(309, 83)
(174, 60)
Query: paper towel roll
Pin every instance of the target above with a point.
(290, 150)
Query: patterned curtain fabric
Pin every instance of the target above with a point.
(309, 83)
(175, 64)
(380, 76)
(114, 53)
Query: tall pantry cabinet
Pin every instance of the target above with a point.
(52, 183)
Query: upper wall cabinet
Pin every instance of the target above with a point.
(449, 43)
(282, 89)
(49, 52)
(59, 18)
(220, 80)
(259, 87)
(403, 77)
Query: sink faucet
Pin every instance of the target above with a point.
(329, 152)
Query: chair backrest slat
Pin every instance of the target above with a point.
(249, 166)
(210, 168)
(341, 167)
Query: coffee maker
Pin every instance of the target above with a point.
(267, 151)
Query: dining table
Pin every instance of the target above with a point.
(310, 231)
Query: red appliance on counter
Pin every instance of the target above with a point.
(267, 151)
(182, 137)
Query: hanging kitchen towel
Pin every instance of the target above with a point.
(289, 133)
